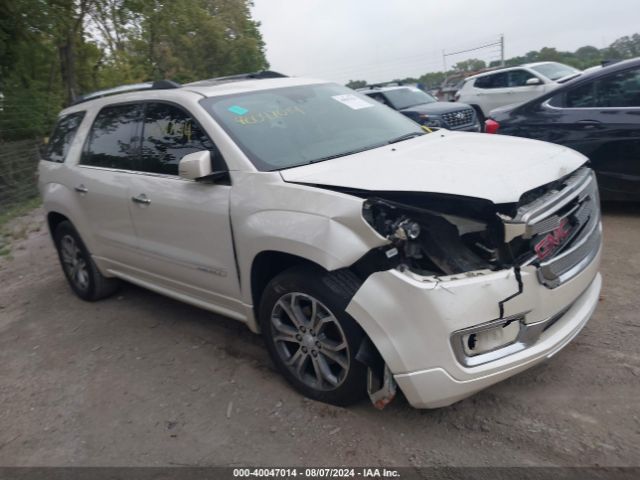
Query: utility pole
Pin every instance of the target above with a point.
(502, 50)
(444, 62)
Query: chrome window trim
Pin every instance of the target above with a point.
(547, 104)
(136, 172)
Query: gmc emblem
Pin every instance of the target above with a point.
(557, 237)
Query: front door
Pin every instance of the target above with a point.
(183, 226)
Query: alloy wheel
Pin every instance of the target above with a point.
(310, 341)
(74, 262)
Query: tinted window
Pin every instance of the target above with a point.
(169, 134)
(379, 97)
(518, 78)
(619, 90)
(401, 98)
(497, 80)
(63, 135)
(112, 142)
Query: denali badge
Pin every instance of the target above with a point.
(557, 237)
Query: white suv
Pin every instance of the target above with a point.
(369, 253)
(507, 86)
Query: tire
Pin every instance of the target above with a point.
(78, 266)
(319, 363)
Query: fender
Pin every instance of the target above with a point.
(322, 226)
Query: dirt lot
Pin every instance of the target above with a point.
(140, 379)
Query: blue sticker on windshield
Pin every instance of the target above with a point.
(237, 110)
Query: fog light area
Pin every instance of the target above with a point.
(490, 339)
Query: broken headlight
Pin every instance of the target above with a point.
(428, 242)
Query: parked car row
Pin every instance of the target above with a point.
(597, 114)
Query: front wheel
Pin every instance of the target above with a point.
(310, 337)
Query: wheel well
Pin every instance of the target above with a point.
(54, 219)
(266, 265)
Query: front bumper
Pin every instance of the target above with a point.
(411, 320)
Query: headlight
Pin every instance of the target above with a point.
(430, 121)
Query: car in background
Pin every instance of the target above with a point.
(597, 114)
(508, 86)
(425, 109)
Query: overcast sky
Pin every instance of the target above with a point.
(378, 40)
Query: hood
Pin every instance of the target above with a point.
(435, 108)
(493, 167)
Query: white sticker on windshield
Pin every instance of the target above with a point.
(353, 102)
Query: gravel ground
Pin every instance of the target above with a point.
(142, 380)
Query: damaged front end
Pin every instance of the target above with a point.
(435, 235)
(553, 230)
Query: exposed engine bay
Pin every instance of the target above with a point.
(437, 234)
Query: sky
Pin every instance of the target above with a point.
(378, 40)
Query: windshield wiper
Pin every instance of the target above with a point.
(344, 154)
(404, 137)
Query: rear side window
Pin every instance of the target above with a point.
(169, 134)
(112, 142)
(497, 80)
(62, 137)
(619, 90)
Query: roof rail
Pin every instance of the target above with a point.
(136, 87)
(242, 76)
(394, 83)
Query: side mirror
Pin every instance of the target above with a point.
(196, 165)
(534, 81)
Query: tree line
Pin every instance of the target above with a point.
(52, 51)
(583, 57)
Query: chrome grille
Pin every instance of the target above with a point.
(576, 202)
(459, 118)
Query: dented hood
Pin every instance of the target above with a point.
(494, 167)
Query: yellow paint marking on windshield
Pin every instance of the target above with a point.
(261, 117)
(426, 129)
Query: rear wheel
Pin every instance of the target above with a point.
(310, 337)
(78, 266)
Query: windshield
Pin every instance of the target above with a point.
(555, 71)
(291, 126)
(407, 97)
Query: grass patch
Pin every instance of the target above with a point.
(18, 210)
(9, 214)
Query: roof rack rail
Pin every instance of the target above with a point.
(242, 76)
(393, 83)
(136, 87)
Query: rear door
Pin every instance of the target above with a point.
(183, 226)
(492, 91)
(99, 183)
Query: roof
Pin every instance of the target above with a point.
(209, 87)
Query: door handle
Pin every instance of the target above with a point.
(589, 124)
(141, 199)
(81, 189)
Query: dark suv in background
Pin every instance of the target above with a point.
(421, 107)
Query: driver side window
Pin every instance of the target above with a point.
(170, 133)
